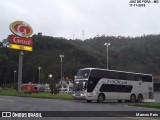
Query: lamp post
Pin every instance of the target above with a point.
(51, 84)
(61, 56)
(107, 44)
(50, 75)
(14, 78)
(39, 68)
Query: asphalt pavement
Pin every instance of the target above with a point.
(20, 104)
(157, 97)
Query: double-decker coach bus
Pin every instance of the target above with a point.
(94, 84)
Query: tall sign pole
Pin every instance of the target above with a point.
(20, 41)
(20, 71)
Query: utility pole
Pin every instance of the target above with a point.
(61, 56)
(107, 44)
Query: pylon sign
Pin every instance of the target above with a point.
(20, 40)
(21, 29)
(20, 47)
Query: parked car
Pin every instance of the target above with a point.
(29, 88)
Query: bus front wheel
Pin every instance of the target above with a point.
(89, 101)
(100, 98)
(119, 101)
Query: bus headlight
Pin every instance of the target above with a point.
(82, 94)
(95, 92)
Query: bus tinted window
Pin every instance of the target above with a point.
(137, 77)
(95, 73)
(147, 78)
(113, 75)
(116, 88)
(92, 82)
(83, 74)
(120, 75)
(104, 74)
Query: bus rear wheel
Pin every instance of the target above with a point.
(140, 98)
(100, 98)
(133, 98)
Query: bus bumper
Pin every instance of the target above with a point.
(90, 96)
(79, 96)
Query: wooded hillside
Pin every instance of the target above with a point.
(140, 54)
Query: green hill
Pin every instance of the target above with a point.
(140, 54)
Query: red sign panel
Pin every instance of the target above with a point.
(21, 28)
(20, 40)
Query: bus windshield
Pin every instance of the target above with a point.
(83, 74)
(79, 85)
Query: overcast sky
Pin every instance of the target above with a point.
(62, 18)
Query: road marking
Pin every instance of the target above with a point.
(142, 118)
(7, 100)
(139, 107)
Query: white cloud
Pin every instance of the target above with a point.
(64, 17)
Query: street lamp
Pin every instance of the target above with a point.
(107, 44)
(14, 79)
(50, 75)
(61, 56)
(39, 68)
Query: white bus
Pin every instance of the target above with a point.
(94, 84)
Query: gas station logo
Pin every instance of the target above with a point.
(20, 40)
(21, 29)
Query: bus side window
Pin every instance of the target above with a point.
(146, 78)
(137, 77)
(95, 73)
(113, 75)
(90, 82)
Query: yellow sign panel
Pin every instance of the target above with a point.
(20, 47)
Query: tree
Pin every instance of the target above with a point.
(139, 54)
(53, 86)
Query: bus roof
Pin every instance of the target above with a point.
(114, 70)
